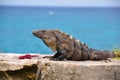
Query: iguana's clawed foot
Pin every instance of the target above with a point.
(47, 56)
(108, 60)
(54, 59)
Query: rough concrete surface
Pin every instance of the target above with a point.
(78, 70)
(13, 68)
(11, 62)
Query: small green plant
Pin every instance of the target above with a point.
(117, 52)
(31, 76)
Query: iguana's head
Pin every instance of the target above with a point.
(52, 37)
(48, 37)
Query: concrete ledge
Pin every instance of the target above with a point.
(13, 68)
(10, 61)
(78, 70)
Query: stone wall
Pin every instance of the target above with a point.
(13, 68)
(78, 70)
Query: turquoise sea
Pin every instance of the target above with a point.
(99, 28)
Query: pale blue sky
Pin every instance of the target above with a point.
(66, 3)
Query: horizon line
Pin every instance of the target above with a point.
(62, 6)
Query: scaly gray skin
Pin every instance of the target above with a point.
(69, 48)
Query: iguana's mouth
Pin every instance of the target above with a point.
(37, 33)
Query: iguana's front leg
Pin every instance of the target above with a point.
(56, 55)
(60, 58)
(60, 55)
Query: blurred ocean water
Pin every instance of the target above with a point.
(99, 28)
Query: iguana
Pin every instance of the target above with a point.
(69, 48)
